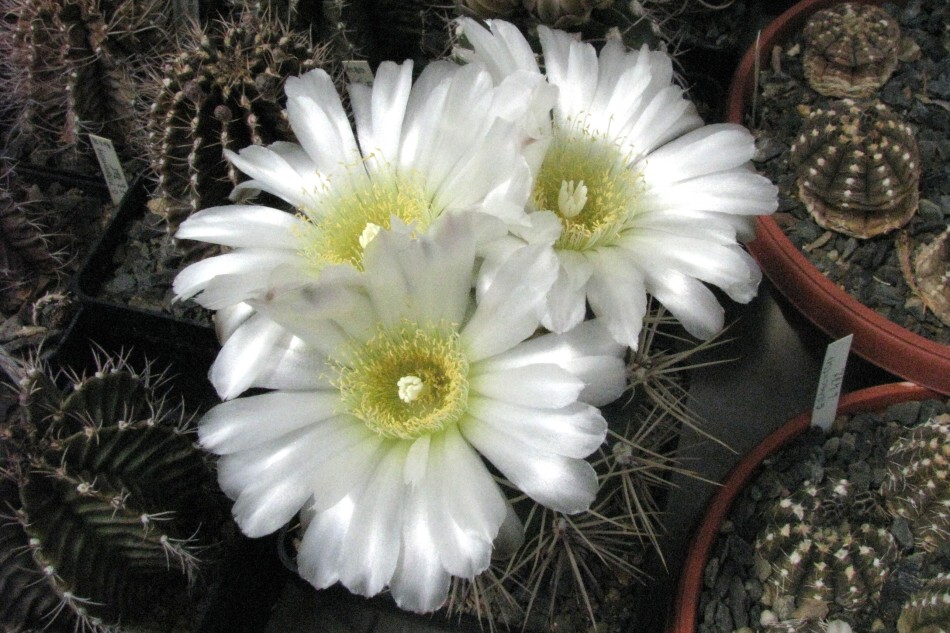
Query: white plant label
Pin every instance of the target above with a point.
(358, 71)
(110, 166)
(829, 383)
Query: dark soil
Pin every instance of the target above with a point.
(729, 601)
(919, 92)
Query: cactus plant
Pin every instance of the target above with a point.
(850, 49)
(917, 486)
(73, 68)
(858, 168)
(223, 91)
(111, 504)
(928, 610)
(811, 557)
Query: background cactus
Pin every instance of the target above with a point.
(111, 506)
(72, 68)
(223, 91)
(928, 610)
(810, 557)
(917, 486)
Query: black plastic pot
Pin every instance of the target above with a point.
(117, 326)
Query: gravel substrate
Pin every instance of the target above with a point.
(919, 92)
(856, 451)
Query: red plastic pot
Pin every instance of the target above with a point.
(876, 339)
(686, 605)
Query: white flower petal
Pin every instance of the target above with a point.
(561, 483)
(420, 582)
(270, 172)
(509, 310)
(690, 301)
(244, 225)
(243, 423)
(228, 319)
(567, 299)
(316, 115)
(428, 283)
(737, 191)
(264, 354)
(543, 385)
(617, 294)
(465, 505)
(379, 111)
(371, 546)
(319, 556)
(575, 430)
(588, 352)
(706, 150)
(254, 264)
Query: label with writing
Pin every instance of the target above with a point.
(110, 166)
(829, 383)
(358, 71)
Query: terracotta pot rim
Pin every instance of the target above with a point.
(686, 604)
(876, 339)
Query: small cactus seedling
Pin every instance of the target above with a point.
(928, 610)
(810, 557)
(223, 91)
(565, 13)
(110, 504)
(74, 67)
(850, 49)
(917, 486)
(802, 626)
(858, 169)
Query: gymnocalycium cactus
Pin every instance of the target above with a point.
(917, 486)
(811, 557)
(224, 91)
(109, 504)
(74, 67)
(928, 610)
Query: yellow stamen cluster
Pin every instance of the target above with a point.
(406, 381)
(348, 218)
(589, 182)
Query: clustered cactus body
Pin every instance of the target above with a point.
(810, 557)
(858, 168)
(850, 49)
(26, 252)
(73, 67)
(928, 610)
(917, 487)
(225, 91)
(110, 506)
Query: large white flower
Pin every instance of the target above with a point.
(403, 384)
(419, 152)
(649, 200)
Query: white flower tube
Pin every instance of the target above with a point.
(648, 198)
(377, 433)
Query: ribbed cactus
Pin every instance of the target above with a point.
(917, 486)
(225, 90)
(73, 69)
(26, 250)
(928, 610)
(810, 556)
(111, 505)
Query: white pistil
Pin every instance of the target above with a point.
(369, 234)
(571, 199)
(410, 387)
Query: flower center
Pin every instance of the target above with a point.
(407, 381)
(589, 183)
(350, 216)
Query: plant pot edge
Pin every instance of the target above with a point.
(686, 603)
(876, 339)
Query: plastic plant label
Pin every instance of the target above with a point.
(358, 71)
(110, 166)
(829, 383)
